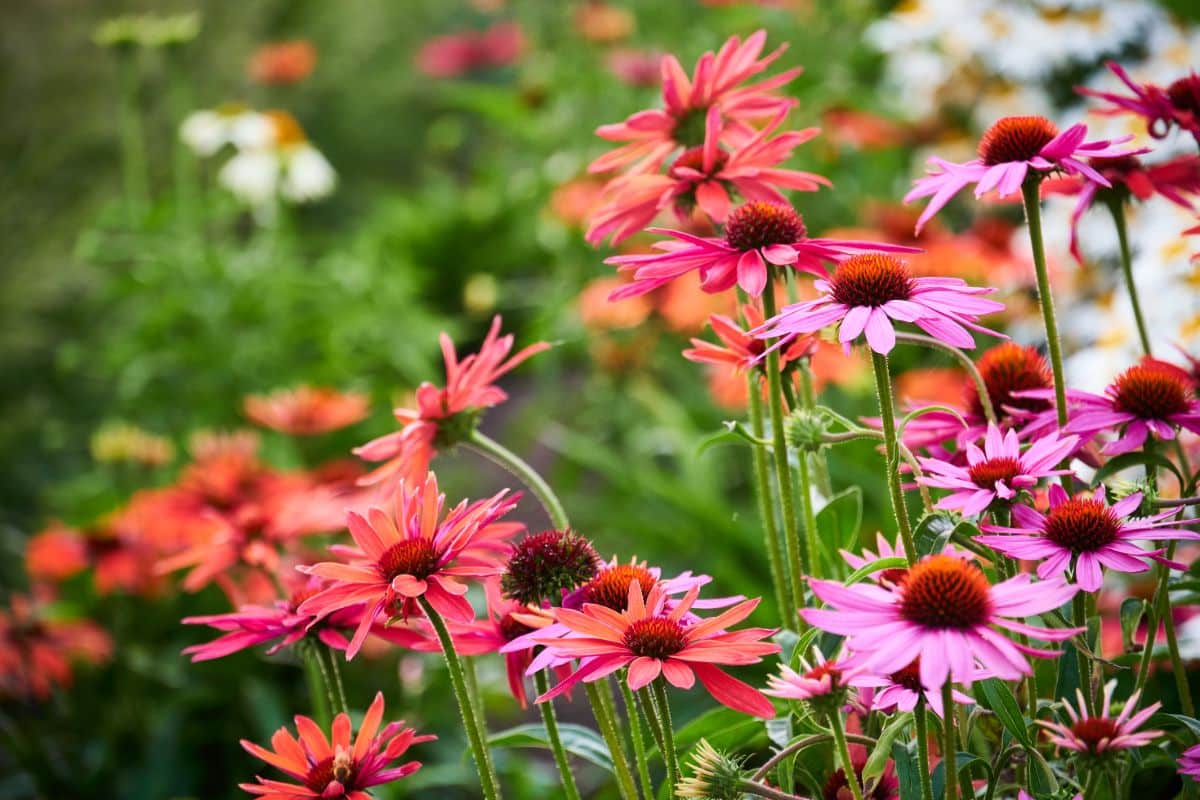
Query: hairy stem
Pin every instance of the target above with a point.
(843, 753)
(887, 415)
(550, 721)
(502, 456)
(1033, 217)
(784, 599)
(1117, 209)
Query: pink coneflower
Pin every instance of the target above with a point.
(335, 767)
(946, 612)
(652, 641)
(997, 472)
(1189, 762)
(442, 416)
(307, 410)
(757, 234)
(654, 134)
(823, 683)
(458, 53)
(867, 292)
(1008, 151)
(1084, 533)
(1099, 736)
(1177, 104)
(414, 550)
(706, 176)
(740, 350)
(902, 690)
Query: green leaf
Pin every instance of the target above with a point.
(933, 531)
(907, 768)
(1132, 611)
(734, 433)
(893, 562)
(724, 728)
(1127, 460)
(962, 761)
(577, 740)
(910, 416)
(1041, 776)
(883, 746)
(1175, 720)
(837, 526)
(996, 696)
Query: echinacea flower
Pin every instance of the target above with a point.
(1189, 762)
(307, 410)
(652, 135)
(415, 550)
(458, 53)
(1096, 737)
(740, 350)
(997, 472)
(902, 690)
(1010, 150)
(824, 683)
(866, 293)
(715, 775)
(758, 234)
(545, 566)
(1162, 108)
(946, 612)
(1083, 534)
(36, 651)
(705, 176)
(444, 416)
(329, 768)
(652, 641)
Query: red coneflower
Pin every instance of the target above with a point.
(1163, 108)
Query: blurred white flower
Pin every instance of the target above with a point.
(252, 176)
(308, 176)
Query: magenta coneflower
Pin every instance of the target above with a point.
(1084, 533)
(902, 690)
(1189, 762)
(946, 612)
(757, 234)
(653, 135)
(868, 292)
(1008, 151)
(997, 472)
(335, 767)
(1176, 105)
(1098, 736)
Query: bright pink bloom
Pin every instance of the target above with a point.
(1084, 533)
(334, 767)
(705, 176)
(1177, 104)
(470, 388)
(822, 679)
(867, 292)
(741, 350)
(757, 234)
(1007, 152)
(654, 134)
(902, 690)
(1101, 734)
(414, 550)
(1189, 762)
(946, 612)
(997, 472)
(653, 641)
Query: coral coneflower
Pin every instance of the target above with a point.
(415, 550)
(997, 472)
(1097, 737)
(545, 566)
(946, 612)
(757, 234)
(444, 417)
(1010, 150)
(328, 768)
(1176, 105)
(1084, 533)
(307, 410)
(868, 292)
(741, 350)
(652, 640)
(36, 651)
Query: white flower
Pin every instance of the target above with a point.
(205, 132)
(252, 176)
(308, 176)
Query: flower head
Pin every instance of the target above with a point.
(1176, 105)
(902, 690)
(1012, 149)
(1084, 534)
(333, 767)
(444, 416)
(997, 472)
(715, 775)
(415, 550)
(466, 51)
(1189, 762)
(282, 63)
(741, 350)
(652, 640)
(36, 651)
(823, 683)
(306, 410)
(1097, 737)
(545, 566)
(946, 612)
(868, 292)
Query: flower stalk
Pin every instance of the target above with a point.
(550, 721)
(843, 753)
(784, 599)
(318, 690)
(887, 415)
(1117, 209)
(920, 716)
(1033, 219)
(950, 742)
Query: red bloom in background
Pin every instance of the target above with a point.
(442, 415)
(282, 63)
(414, 550)
(55, 554)
(459, 53)
(307, 410)
(332, 768)
(36, 651)
(1176, 105)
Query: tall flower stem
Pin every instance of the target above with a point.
(784, 600)
(337, 678)
(1079, 606)
(133, 146)
(887, 414)
(639, 742)
(797, 560)
(964, 360)
(550, 720)
(920, 716)
(611, 734)
(662, 709)
(807, 510)
(1160, 611)
(843, 753)
(1117, 208)
(318, 690)
(1033, 218)
(503, 457)
(476, 737)
(950, 742)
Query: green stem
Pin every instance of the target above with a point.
(608, 730)
(317, 693)
(920, 716)
(887, 415)
(1033, 217)
(502, 456)
(337, 678)
(808, 400)
(133, 146)
(797, 560)
(762, 482)
(949, 743)
(639, 743)
(843, 752)
(800, 744)
(662, 708)
(760, 790)
(1117, 209)
(1079, 606)
(807, 511)
(550, 720)
(1168, 621)
(476, 734)
(646, 704)
(964, 360)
